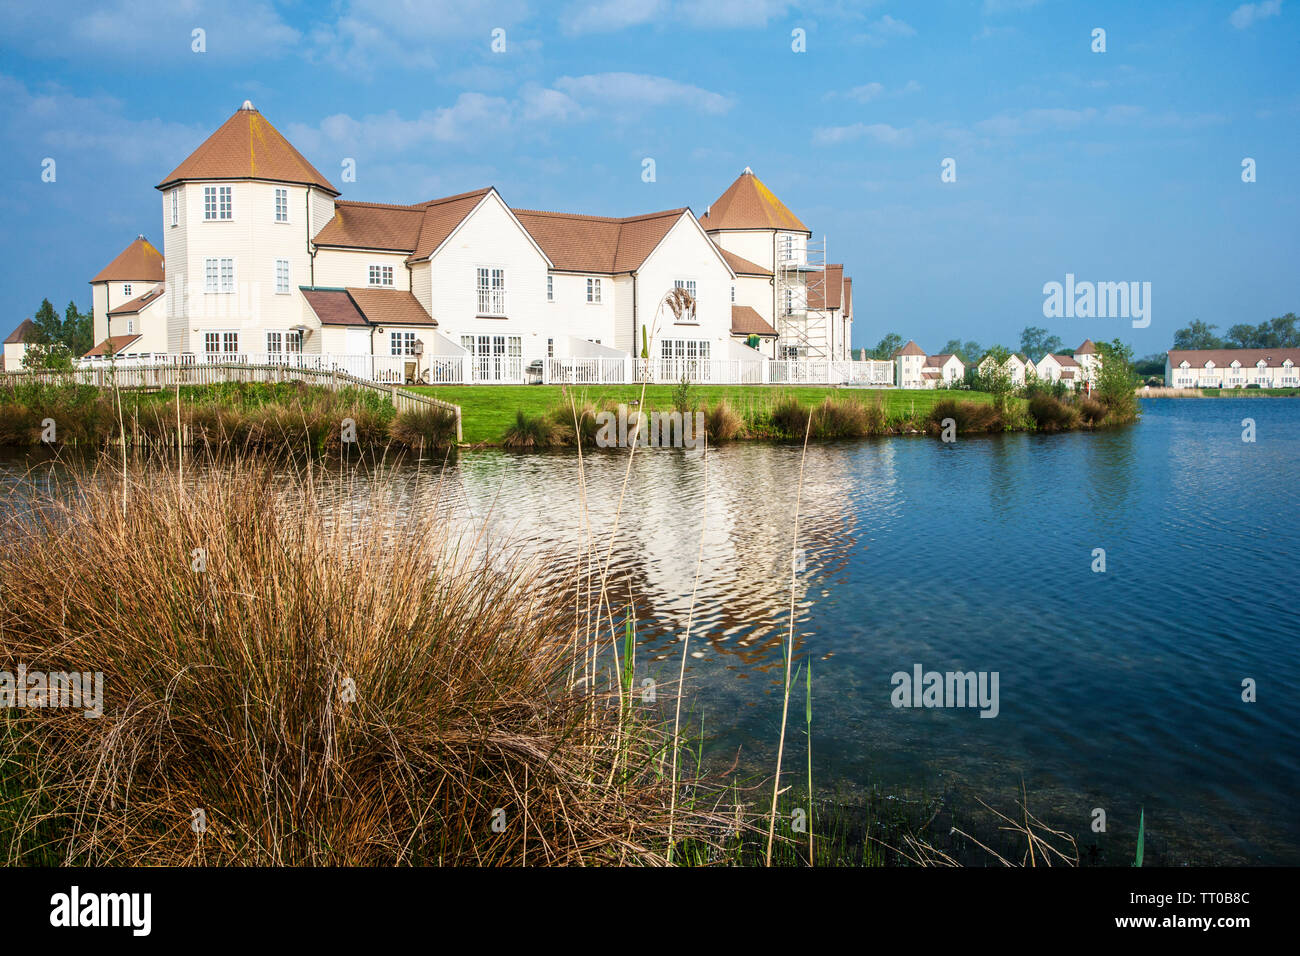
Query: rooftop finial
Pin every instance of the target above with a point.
(248, 105)
(747, 172)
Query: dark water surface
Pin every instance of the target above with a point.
(1119, 690)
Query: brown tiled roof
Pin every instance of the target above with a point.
(930, 375)
(334, 307)
(1087, 348)
(741, 266)
(829, 293)
(1197, 358)
(748, 204)
(113, 345)
(19, 335)
(140, 260)
(441, 216)
(390, 307)
(1065, 361)
(246, 146)
(745, 321)
(1068, 372)
(938, 361)
(911, 348)
(576, 243)
(368, 225)
(140, 302)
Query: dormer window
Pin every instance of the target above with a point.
(1236, 364)
(1261, 364)
(1210, 364)
(218, 203)
(1184, 364)
(1287, 364)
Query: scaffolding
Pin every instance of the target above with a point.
(803, 322)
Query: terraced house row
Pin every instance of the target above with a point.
(262, 261)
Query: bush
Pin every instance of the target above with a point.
(1051, 414)
(1091, 411)
(970, 417)
(722, 423)
(843, 419)
(788, 418)
(531, 431)
(425, 428)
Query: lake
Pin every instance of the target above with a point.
(1120, 690)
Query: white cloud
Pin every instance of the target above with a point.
(880, 132)
(1246, 15)
(874, 91)
(629, 92)
(608, 16)
(885, 29)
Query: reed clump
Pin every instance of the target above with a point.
(325, 678)
(969, 417)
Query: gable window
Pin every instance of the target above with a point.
(491, 291)
(126, 288)
(550, 288)
(593, 291)
(217, 202)
(381, 275)
(281, 205)
(689, 286)
(219, 275)
(402, 343)
(281, 276)
(176, 211)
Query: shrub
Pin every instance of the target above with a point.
(788, 418)
(970, 417)
(1051, 414)
(722, 423)
(530, 431)
(840, 419)
(425, 428)
(1091, 411)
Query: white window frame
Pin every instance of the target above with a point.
(593, 290)
(126, 289)
(274, 342)
(693, 317)
(380, 276)
(176, 206)
(490, 290)
(218, 203)
(282, 272)
(281, 213)
(401, 343)
(216, 269)
(550, 288)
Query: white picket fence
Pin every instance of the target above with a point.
(476, 370)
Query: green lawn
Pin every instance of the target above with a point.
(488, 410)
(1250, 392)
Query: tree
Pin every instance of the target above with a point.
(887, 346)
(1276, 333)
(1198, 335)
(1115, 381)
(49, 327)
(78, 330)
(1036, 342)
(994, 376)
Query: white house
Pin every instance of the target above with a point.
(263, 261)
(942, 370)
(1058, 368)
(909, 361)
(1015, 366)
(1232, 368)
(15, 345)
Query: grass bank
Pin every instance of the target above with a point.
(284, 417)
(556, 416)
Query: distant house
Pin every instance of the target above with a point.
(1230, 368)
(1015, 366)
(1089, 360)
(1059, 368)
(16, 344)
(942, 370)
(909, 361)
(127, 297)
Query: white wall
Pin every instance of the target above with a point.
(685, 253)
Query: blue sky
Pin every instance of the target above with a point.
(1115, 166)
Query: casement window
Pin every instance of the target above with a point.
(689, 286)
(281, 276)
(130, 326)
(281, 205)
(217, 202)
(126, 288)
(381, 275)
(293, 342)
(550, 348)
(216, 343)
(219, 275)
(550, 288)
(274, 343)
(491, 289)
(176, 207)
(402, 343)
(593, 291)
(733, 293)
